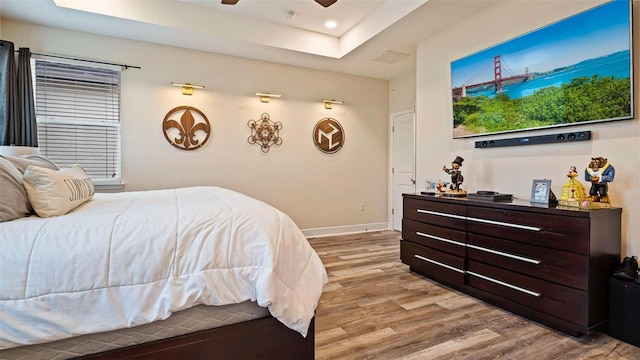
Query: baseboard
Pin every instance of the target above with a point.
(344, 230)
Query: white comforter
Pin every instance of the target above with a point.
(128, 259)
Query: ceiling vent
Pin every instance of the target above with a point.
(390, 57)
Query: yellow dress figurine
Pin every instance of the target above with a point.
(573, 189)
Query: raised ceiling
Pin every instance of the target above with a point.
(374, 38)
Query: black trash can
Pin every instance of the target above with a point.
(624, 310)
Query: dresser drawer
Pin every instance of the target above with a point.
(559, 232)
(437, 237)
(433, 263)
(432, 212)
(556, 300)
(562, 267)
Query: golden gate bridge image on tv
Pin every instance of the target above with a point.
(498, 81)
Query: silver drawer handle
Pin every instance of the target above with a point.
(532, 228)
(505, 284)
(532, 261)
(518, 226)
(441, 214)
(439, 264)
(440, 239)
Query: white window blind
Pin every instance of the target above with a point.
(78, 116)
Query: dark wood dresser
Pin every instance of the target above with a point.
(545, 263)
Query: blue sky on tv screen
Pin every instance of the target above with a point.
(596, 32)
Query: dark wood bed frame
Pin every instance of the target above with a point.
(265, 338)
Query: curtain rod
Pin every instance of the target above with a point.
(93, 61)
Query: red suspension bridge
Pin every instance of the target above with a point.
(498, 80)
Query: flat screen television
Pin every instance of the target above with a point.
(575, 71)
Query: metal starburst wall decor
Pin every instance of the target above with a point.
(265, 132)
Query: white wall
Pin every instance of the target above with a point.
(315, 189)
(402, 92)
(512, 169)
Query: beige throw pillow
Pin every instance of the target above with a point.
(13, 198)
(54, 193)
(22, 162)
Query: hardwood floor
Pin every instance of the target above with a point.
(374, 308)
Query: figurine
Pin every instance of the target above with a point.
(456, 174)
(573, 189)
(441, 185)
(599, 172)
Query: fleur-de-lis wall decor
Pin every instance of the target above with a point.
(265, 132)
(192, 133)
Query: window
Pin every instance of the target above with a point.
(78, 116)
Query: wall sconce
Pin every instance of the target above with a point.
(328, 104)
(264, 97)
(187, 89)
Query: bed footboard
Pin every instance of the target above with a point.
(264, 338)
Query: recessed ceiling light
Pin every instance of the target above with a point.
(331, 24)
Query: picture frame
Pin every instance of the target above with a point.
(540, 190)
(431, 186)
(551, 77)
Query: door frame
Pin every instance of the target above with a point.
(391, 164)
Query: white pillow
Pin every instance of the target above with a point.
(56, 192)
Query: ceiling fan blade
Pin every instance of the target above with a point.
(229, 2)
(326, 3)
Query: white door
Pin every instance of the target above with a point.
(403, 161)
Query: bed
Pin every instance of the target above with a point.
(123, 261)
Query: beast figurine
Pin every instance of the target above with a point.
(599, 173)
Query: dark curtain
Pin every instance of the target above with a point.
(9, 91)
(28, 134)
(17, 109)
